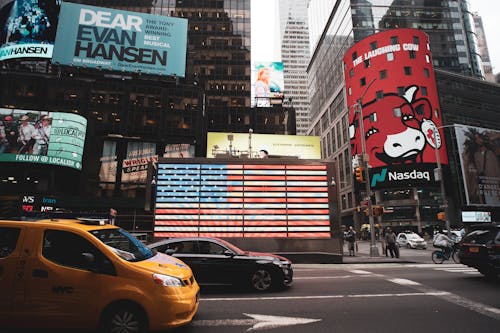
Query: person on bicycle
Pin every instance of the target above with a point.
(443, 242)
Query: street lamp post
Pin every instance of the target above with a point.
(364, 160)
(440, 174)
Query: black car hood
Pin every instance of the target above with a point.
(264, 255)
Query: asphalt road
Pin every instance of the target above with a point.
(403, 297)
(410, 294)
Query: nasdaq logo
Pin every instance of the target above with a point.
(379, 177)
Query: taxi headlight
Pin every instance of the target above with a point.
(167, 280)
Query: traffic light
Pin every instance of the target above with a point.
(378, 210)
(358, 173)
(441, 216)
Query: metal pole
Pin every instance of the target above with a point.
(373, 247)
(441, 181)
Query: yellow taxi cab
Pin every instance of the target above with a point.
(89, 275)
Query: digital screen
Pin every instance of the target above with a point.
(476, 216)
(479, 150)
(28, 28)
(110, 39)
(242, 200)
(238, 144)
(42, 137)
(267, 83)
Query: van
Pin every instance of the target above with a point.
(87, 274)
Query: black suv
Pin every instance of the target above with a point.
(481, 249)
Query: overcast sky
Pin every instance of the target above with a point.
(265, 37)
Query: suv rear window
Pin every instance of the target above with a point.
(8, 240)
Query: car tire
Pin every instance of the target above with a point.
(261, 280)
(408, 245)
(125, 318)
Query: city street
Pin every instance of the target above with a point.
(409, 294)
(409, 297)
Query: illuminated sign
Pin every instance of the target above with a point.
(28, 28)
(242, 200)
(268, 83)
(392, 73)
(478, 149)
(476, 216)
(238, 144)
(42, 137)
(119, 40)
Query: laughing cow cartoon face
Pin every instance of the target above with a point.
(394, 128)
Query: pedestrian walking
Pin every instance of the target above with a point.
(390, 240)
(351, 239)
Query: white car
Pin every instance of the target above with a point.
(411, 240)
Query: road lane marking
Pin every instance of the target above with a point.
(404, 282)
(481, 308)
(295, 278)
(258, 322)
(359, 271)
(311, 297)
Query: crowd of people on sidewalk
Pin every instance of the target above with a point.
(389, 243)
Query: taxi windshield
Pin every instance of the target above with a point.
(123, 244)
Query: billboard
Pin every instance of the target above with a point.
(42, 137)
(251, 198)
(392, 96)
(253, 145)
(267, 83)
(110, 39)
(479, 150)
(28, 28)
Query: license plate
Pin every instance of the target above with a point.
(474, 249)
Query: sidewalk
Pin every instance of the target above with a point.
(362, 255)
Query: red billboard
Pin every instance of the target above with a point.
(390, 84)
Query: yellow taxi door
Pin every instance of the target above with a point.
(11, 268)
(62, 288)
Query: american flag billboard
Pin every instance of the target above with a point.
(243, 200)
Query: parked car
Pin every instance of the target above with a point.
(411, 240)
(481, 249)
(216, 261)
(85, 274)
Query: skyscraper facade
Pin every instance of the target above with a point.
(132, 116)
(295, 56)
(453, 45)
(483, 49)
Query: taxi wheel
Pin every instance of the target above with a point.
(261, 280)
(124, 318)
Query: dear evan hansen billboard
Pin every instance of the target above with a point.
(119, 40)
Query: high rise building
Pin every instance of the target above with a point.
(483, 48)
(453, 44)
(127, 117)
(295, 56)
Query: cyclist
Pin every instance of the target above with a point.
(444, 242)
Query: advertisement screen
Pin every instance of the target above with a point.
(28, 28)
(479, 150)
(243, 199)
(263, 145)
(135, 165)
(119, 40)
(42, 137)
(267, 83)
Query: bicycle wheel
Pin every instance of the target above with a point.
(455, 257)
(437, 257)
